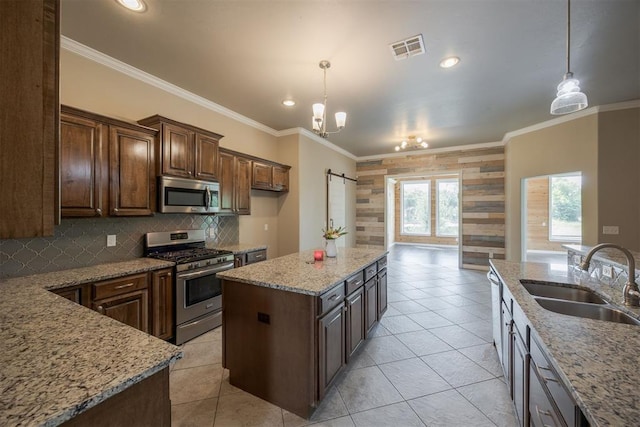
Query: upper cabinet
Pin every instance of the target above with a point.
(30, 38)
(185, 151)
(235, 183)
(107, 167)
(270, 176)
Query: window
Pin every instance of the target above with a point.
(565, 207)
(447, 207)
(415, 198)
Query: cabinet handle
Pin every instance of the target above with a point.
(115, 209)
(98, 212)
(545, 379)
(128, 285)
(100, 309)
(258, 256)
(334, 297)
(546, 413)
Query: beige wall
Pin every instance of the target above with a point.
(619, 176)
(315, 159)
(567, 147)
(91, 86)
(289, 204)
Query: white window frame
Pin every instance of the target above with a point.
(402, 183)
(552, 237)
(438, 181)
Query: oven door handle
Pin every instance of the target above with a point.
(217, 269)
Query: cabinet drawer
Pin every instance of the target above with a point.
(354, 282)
(120, 286)
(330, 299)
(370, 271)
(382, 263)
(256, 256)
(551, 380)
(542, 411)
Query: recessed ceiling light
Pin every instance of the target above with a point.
(135, 5)
(288, 102)
(449, 62)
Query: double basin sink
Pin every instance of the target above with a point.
(576, 302)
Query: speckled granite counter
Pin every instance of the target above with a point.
(57, 358)
(598, 360)
(240, 248)
(298, 273)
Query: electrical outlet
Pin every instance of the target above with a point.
(577, 259)
(490, 254)
(266, 227)
(610, 229)
(607, 271)
(111, 240)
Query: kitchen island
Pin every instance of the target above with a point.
(290, 324)
(62, 362)
(596, 361)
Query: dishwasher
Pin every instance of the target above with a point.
(495, 311)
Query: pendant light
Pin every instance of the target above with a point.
(569, 99)
(319, 121)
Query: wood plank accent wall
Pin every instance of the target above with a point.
(483, 197)
(538, 216)
(432, 239)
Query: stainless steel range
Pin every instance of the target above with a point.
(197, 289)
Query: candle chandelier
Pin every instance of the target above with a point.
(569, 99)
(320, 110)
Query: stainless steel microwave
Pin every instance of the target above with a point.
(179, 195)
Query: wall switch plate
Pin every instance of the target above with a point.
(607, 271)
(266, 227)
(111, 240)
(610, 229)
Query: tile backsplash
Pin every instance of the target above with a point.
(82, 242)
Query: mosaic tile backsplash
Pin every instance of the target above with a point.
(83, 242)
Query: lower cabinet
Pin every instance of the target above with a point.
(125, 299)
(331, 343)
(355, 304)
(79, 294)
(382, 292)
(162, 304)
(371, 303)
(252, 257)
(520, 377)
(541, 409)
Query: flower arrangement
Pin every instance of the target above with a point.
(333, 233)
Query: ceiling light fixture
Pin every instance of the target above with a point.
(449, 62)
(288, 102)
(569, 99)
(413, 143)
(135, 5)
(319, 121)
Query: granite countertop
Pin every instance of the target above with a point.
(298, 273)
(607, 255)
(597, 360)
(240, 248)
(58, 358)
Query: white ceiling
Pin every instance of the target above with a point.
(250, 55)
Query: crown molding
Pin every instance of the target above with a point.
(314, 137)
(428, 151)
(619, 106)
(124, 68)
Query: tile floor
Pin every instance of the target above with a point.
(431, 362)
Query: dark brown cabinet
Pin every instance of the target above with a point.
(162, 304)
(355, 321)
(382, 292)
(107, 167)
(249, 258)
(185, 151)
(30, 37)
(270, 176)
(84, 157)
(79, 294)
(125, 299)
(371, 303)
(132, 183)
(331, 330)
(235, 183)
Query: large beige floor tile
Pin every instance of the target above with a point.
(200, 413)
(245, 410)
(449, 409)
(398, 415)
(199, 354)
(191, 384)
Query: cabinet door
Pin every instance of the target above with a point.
(330, 347)
(177, 151)
(132, 173)
(131, 308)
(355, 321)
(382, 292)
(243, 186)
(83, 167)
(507, 324)
(542, 413)
(78, 294)
(256, 256)
(226, 167)
(206, 158)
(520, 372)
(162, 304)
(280, 178)
(261, 177)
(371, 302)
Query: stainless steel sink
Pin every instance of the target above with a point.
(590, 311)
(551, 290)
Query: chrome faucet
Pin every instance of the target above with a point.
(630, 291)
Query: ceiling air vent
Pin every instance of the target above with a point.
(408, 47)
